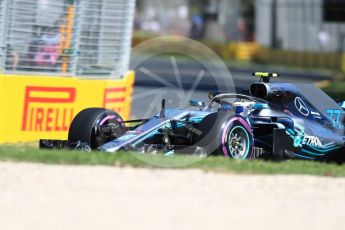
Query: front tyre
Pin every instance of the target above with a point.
(86, 127)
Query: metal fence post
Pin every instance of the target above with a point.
(68, 37)
(274, 23)
(3, 29)
(127, 35)
(78, 24)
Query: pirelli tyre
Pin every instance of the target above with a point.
(227, 134)
(87, 126)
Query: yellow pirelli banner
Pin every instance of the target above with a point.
(43, 107)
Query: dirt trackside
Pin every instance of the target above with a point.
(40, 197)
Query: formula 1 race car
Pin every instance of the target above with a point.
(275, 121)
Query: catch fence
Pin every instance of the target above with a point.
(84, 38)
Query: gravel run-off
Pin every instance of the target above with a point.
(40, 197)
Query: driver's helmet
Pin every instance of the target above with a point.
(226, 107)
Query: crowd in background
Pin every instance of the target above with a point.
(205, 19)
(309, 25)
(44, 50)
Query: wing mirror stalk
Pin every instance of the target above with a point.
(196, 103)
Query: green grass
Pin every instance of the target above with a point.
(336, 89)
(213, 164)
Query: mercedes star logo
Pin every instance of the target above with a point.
(301, 106)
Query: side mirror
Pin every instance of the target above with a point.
(341, 103)
(196, 103)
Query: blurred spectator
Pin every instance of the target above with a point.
(45, 47)
(12, 58)
(137, 20)
(182, 11)
(34, 46)
(48, 55)
(152, 23)
(163, 17)
(197, 27)
(152, 26)
(51, 36)
(324, 39)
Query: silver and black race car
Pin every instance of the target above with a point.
(275, 121)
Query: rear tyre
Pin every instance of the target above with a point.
(226, 134)
(84, 127)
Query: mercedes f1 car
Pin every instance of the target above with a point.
(274, 121)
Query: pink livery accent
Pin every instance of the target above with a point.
(107, 118)
(240, 120)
